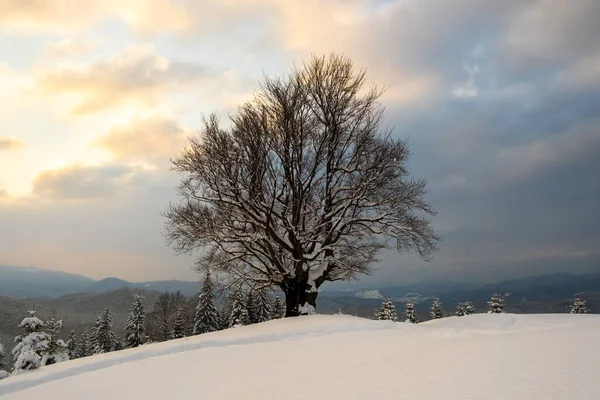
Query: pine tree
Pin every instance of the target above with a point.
(206, 318)
(263, 308)
(2, 354)
(239, 310)
(57, 349)
(225, 312)
(411, 314)
(468, 308)
(72, 346)
(104, 336)
(251, 304)
(278, 308)
(387, 312)
(92, 335)
(3, 373)
(30, 347)
(578, 306)
(84, 345)
(460, 309)
(496, 304)
(135, 329)
(436, 308)
(179, 325)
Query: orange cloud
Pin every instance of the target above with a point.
(152, 140)
(136, 77)
(9, 143)
(68, 47)
(37, 16)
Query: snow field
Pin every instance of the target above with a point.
(483, 356)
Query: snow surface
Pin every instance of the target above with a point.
(482, 356)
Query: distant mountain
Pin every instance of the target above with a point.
(20, 282)
(534, 288)
(531, 294)
(107, 285)
(25, 282)
(188, 288)
(534, 294)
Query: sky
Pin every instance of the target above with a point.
(500, 102)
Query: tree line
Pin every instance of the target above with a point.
(388, 311)
(173, 317)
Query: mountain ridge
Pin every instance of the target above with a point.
(31, 282)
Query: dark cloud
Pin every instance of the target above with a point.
(515, 181)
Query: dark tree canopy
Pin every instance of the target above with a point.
(305, 186)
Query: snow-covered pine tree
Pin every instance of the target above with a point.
(468, 308)
(135, 329)
(225, 311)
(578, 306)
(3, 373)
(72, 346)
(410, 313)
(179, 325)
(2, 354)
(84, 345)
(460, 309)
(496, 303)
(57, 349)
(92, 335)
(278, 308)
(386, 312)
(104, 336)
(206, 318)
(251, 307)
(263, 308)
(30, 347)
(436, 309)
(239, 310)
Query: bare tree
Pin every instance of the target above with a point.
(159, 323)
(304, 187)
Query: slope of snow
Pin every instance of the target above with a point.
(483, 356)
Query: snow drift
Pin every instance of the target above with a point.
(484, 356)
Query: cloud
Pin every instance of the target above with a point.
(135, 77)
(153, 140)
(583, 74)
(120, 236)
(39, 16)
(9, 143)
(469, 88)
(575, 145)
(68, 48)
(507, 143)
(551, 31)
(79, 182)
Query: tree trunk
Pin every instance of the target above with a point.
(298, 299)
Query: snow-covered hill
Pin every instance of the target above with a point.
(340, 357)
